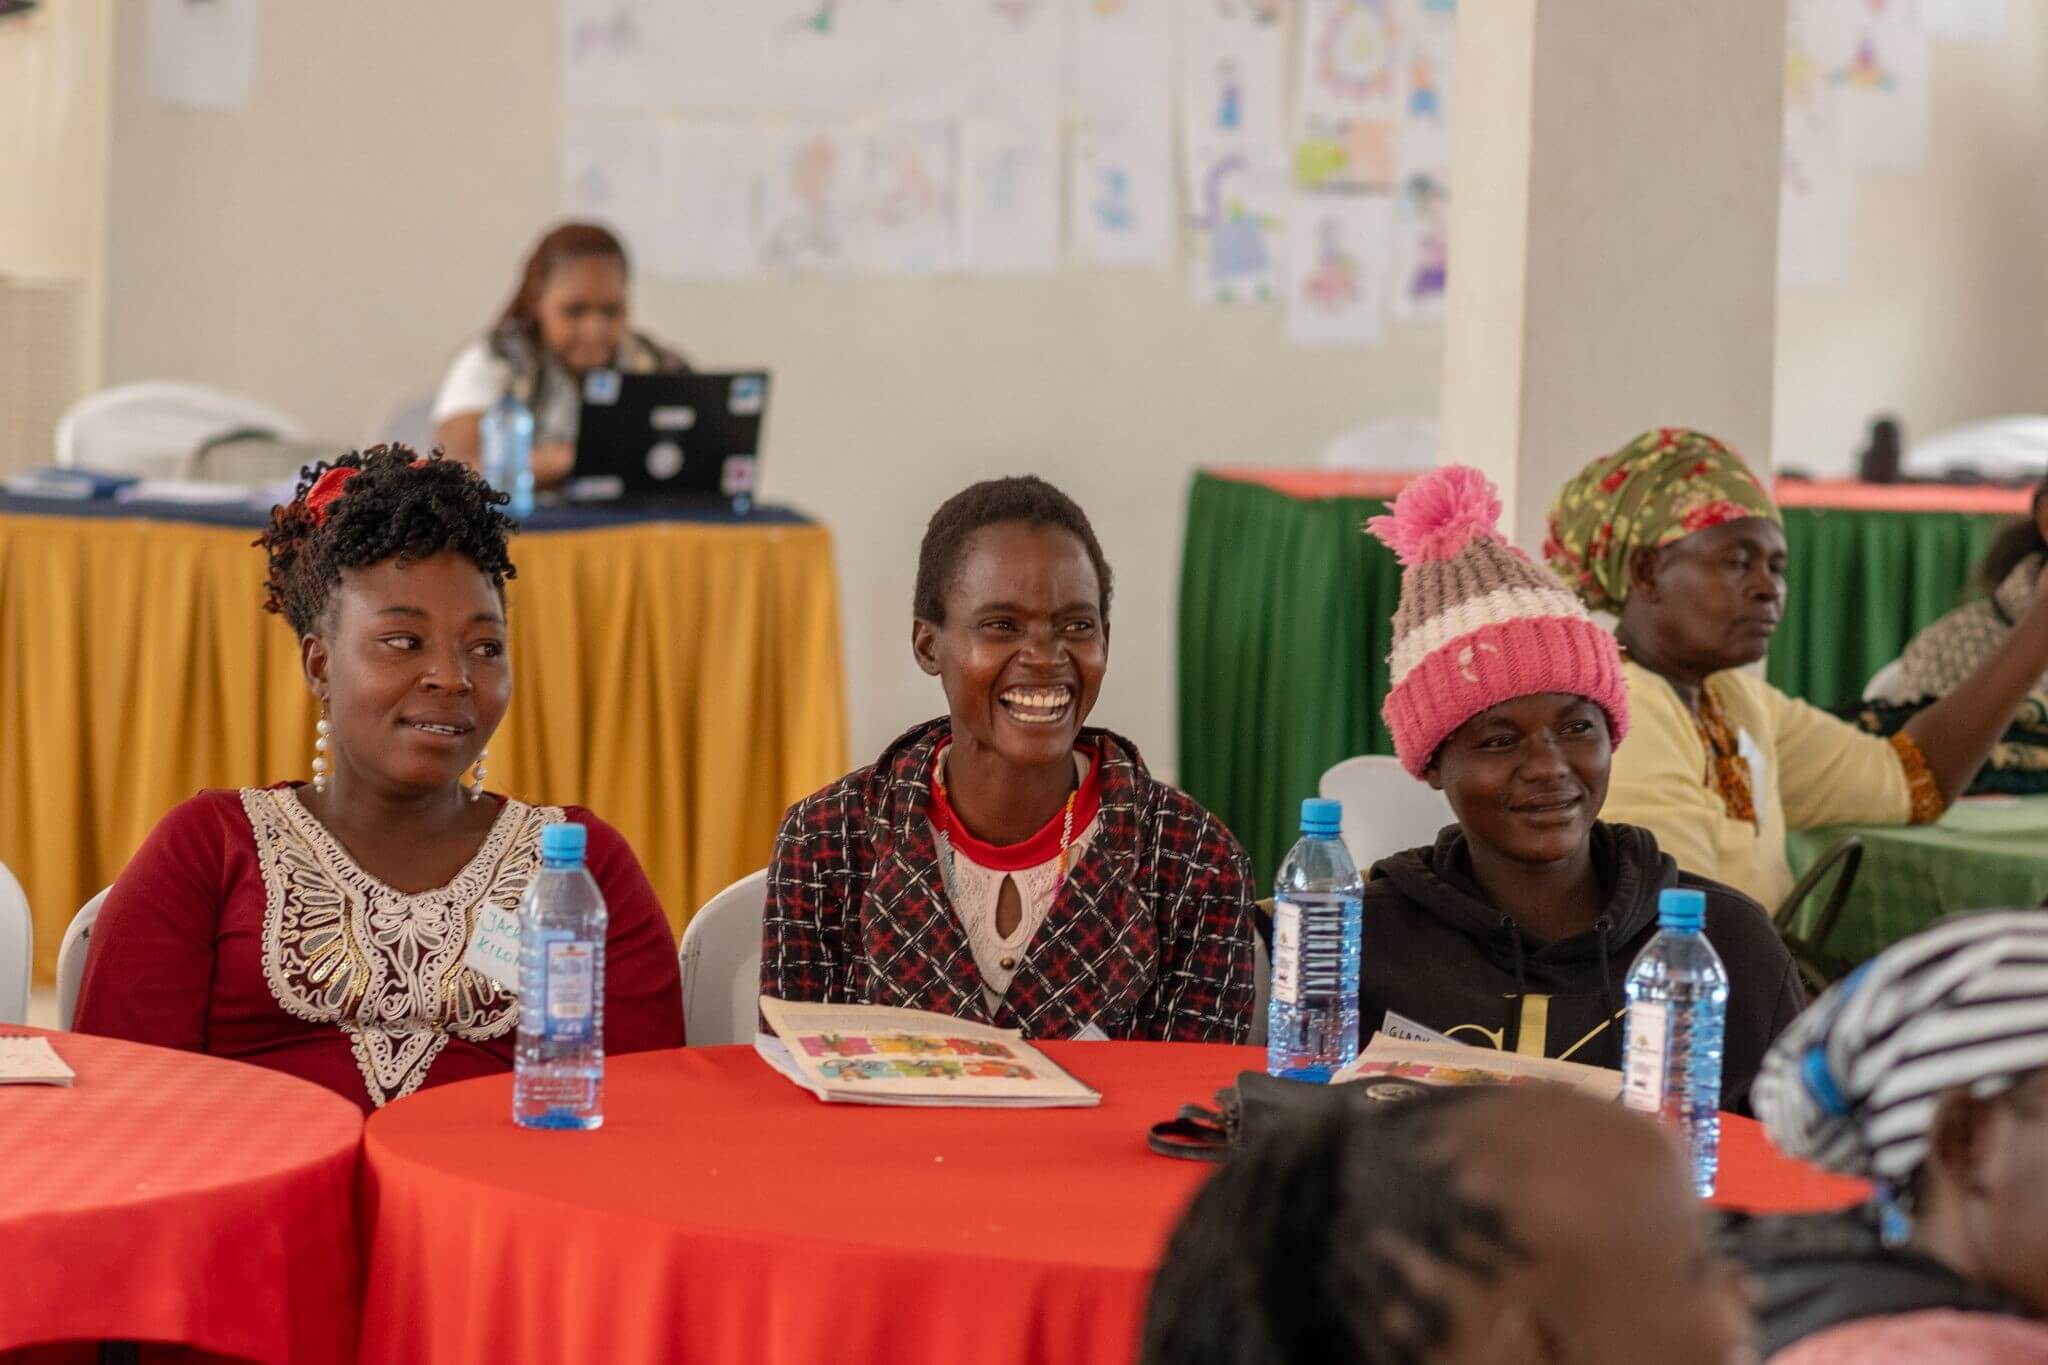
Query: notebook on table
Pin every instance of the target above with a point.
(870, 1054)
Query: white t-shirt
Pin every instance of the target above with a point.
(479, 377)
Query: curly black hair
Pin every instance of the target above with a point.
(397, 504)
(1026, 499)
(1306, 1247)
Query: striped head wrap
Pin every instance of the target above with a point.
(1853, 1084)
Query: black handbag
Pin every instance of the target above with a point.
(1251, 1106)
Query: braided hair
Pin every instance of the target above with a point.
(1329, 1239)
(390, 503)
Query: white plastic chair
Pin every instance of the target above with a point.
(720, 957)
(1889, 683)
(407, 422)
(71, 958)
(154, 429)
(1385, 810)
(1397, 444)
(2003, 448)
(17, 949)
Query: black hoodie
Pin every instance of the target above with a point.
(1435, 951)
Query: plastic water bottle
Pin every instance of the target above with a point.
(1312, 1017)
(1677, 1016)
(558, 1076)
(508, 452)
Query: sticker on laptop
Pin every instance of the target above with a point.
(747, 394)
(601, 387)
(664, 460)
(673, 417)
(738, 476)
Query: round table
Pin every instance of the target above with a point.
(173, 1197)
(722, 1215)
(1987, 853)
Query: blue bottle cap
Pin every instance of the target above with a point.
(1682, 909)
(563, 843)
(1321, 816)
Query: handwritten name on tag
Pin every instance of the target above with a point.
(1401, 1026)
(494, 946)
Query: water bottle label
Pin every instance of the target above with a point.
(1286, 952)
(1643, 1069)
(572, 972)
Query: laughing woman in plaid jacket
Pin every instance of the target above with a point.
(1004, 863)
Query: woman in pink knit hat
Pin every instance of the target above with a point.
(1514, 931)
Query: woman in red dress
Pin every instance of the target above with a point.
(320, 928)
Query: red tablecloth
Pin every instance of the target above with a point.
(1838, 494)
(722, 1215)
(173, 1197)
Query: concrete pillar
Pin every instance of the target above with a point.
(1614, 233)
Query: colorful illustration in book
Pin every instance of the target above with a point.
(836, 1045)
(1000, 1071)
(849, 1069)
(913, 1043)
(970, 1047)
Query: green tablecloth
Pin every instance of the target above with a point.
(1284, 636)
(1984, 854)
(1858, 585)
(1285, 611)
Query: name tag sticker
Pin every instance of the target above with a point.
(494, 947)
(601, 387)
(1402, 1027)
(674, 417)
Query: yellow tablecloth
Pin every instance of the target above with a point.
(681, 679)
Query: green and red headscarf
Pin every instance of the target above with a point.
(1661, 487)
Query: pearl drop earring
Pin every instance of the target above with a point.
(320, 747)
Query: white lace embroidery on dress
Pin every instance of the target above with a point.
(385, 967)
(980, 889)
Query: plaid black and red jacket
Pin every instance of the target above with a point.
(1151, 936)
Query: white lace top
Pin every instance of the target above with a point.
(381, 965)
(977, 892)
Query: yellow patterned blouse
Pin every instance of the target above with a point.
(1804, 769)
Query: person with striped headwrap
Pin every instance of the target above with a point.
(1927, 1072)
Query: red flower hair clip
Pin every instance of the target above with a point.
(325, 490)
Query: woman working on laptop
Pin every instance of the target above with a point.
(567, 318)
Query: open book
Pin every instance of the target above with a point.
(1398, 1065)
(868, 1054)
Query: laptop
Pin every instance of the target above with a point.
(686, 436)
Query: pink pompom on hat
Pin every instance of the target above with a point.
(1480, 623)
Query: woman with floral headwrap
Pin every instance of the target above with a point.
(1927, 1073)
(1679, 540)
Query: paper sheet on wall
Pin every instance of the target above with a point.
(1347, 95)
(611, 172)
(1236, 213)
(810, 191)
(909, 202)
(1120, 61)
(1233, 70)
(202, 53)
(1010, 194)
(1427, 32)
(1974, 21)
(1882, 73)
(937, 57)
(1336, 249)
(1817, 197)
(1120, 201)
(709, 200)
(1418, 253)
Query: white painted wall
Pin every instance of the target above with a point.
(331, 246)
(1945, 319)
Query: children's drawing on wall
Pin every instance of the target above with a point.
(1421, 254)
(909, 198)
(1010, 193)
(1335, 250)
(1233, 72)
(806, 203)
(1347, 95)
(1120, 201)
(1238, 201)
(1882, 67)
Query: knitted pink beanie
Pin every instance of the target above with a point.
(1480, 623)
